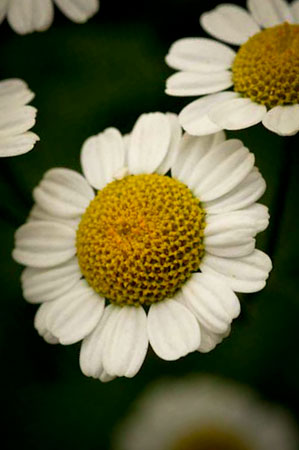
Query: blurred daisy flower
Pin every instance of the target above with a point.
(16, 118)
(205, 413)
(264, 73)
(149, 258)
(26, 16)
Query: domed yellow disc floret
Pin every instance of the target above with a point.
(266, 68)
(140, 239)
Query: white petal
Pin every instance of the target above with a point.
(75, 314)
(44, 244)
(14, 93)
(237, 113)
(30, 15)
(92, 348)
(212, 301)
(16, 121)
(102, 156)
(174, 144)
(283, 120)
(295, 10)
(195, 83)
(230, 244)
(63, 193)
(3, 9)
(78, 10)
(17, 145)
(220, 170)
(192, 150)
(268, 13)
(149, 143)
(209, 340)
(42, 285)
(41, 326)
(243, 195)
(194, 117)
(38, 213)
(247, 274)
(200, 55)
(253, 219)
(126, 342)
(172, 329)
(230, 23)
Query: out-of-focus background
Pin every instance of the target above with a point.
(86, 78)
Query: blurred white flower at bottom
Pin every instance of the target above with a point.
(204, 413)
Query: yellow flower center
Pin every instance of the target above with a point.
(140, 239)
(266, 68)
(210, 438)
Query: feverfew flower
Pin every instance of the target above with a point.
(149, 258)
(16, 118)
(26, 16)
(264, 73)
(204, 413)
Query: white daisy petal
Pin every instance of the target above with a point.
(14, 93)
(243, 195)
(64, 193)
(295, 10)
(174, 144)
(230, 23)
(30, 15)
(92, 348)
(199, 55)
(41, 326)
(149, 143)
(221, 170)
(3, 9)
(230, 244)
(172, 329)
(44, 244)
(253, 219)
(194, 117)
(38, 213)
(75, 314)
(78, 10)
(127, 343)
(197, 83)
(212, 301)
(283, 120)
(237, 113)
(16, 121)
(247, 274)
(102, 157)
(268, 13)
(42, 285)
(192, 150)
(17, 145)
(209, 340)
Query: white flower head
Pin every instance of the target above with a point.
(264, 73)
(16, 118)
(150, 258)
(26, 16)
(204, 413)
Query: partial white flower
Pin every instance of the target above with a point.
(264, 73)
(16, 118)
(26, 16)
(149, 259)
(204, 413)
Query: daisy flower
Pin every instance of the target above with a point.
(264, 73)
(149, 258)
(26, 16)
(16, 118)
(205, 413)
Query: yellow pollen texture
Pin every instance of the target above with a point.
(266, 68)
(140, 239)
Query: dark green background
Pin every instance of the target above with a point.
(88, 77)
